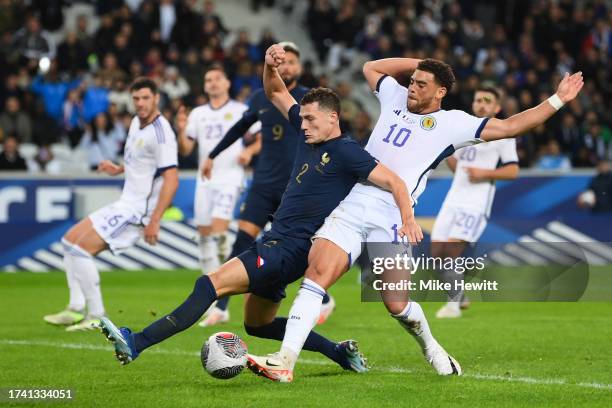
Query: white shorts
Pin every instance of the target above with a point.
(361, 219)
(465, 224)
(118, 225)
(214, 201)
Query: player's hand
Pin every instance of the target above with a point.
(108, 167)
(477, 175)
(411, 231)
(207, 168)
(275, 55)
(569, 86)
(245, 157)
(151, 232)
(181, 119)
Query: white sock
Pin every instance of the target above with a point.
(209, 254)
(222, 247)
(303, 316)
(77, 297)
(453, 305)
(414, 321)
(80, 264)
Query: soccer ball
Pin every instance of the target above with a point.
(224, 355)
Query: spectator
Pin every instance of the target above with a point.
(598, 197)
(73, 117)
(14, 121)
(553, 159)
(10, 159)
(53, 91)
(121, 98)
(95, 98)
(103, 140)
(32, 43)
(45, 129)
(361, 128)
(174, 85)
(111, 70)
(71, 55)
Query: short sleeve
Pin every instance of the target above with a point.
(466, 128)
(507, 151)
(191, 130)
(255, 127)
(165, 147)
(357, 161)
(390, 92)
(294, 117)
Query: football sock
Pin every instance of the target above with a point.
(242, 243)
(80, 268)
(413, 320)
(184, 316)
(314, 342)
(303, 316)
(450, 276)
(77, 297)
(209, 254)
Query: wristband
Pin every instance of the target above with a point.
(556, 102)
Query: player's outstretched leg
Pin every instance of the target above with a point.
(414, 321)
(129, 345)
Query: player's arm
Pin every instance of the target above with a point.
(110, 168)
(506, 172)
(451, 162)
(275, 88)
(251, 150)
(373, 71)
(185, 144)
(166, 194)
(521, 122)
(387, 179)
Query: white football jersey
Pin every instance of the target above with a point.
(412, 145)
(208, 126)
(479, 196)
(148, 152)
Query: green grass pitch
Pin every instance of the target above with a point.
(513, 354)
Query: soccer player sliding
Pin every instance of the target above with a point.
(412, 136)
(327, 165)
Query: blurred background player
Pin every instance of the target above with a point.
(151, 180)
(271, 174)
(215, 197)
(467, 207)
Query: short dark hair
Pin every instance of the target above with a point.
(289, 46)
(141, 83)
(442, 72)
(326, 98)
(215, 67)
(490, 89)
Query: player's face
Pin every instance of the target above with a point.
(145, 102)
(317, 124)
(291, 69)
(424, 93)
(485, 105)
(216, 84)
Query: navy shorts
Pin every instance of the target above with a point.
(261, 203)
(273, 262)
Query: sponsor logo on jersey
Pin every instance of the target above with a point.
(428, 122)
(228, 116)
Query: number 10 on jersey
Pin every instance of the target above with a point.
(401, 136)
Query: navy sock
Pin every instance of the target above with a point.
(314, 342)
(181, 318)
(242, 243)
(325, 298)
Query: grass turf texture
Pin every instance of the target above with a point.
(513, 354)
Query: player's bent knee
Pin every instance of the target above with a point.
(396, 307)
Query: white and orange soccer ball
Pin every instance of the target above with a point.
(224, 355)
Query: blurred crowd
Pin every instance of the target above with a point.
(68, 88)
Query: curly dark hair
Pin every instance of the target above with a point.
(327, 99)
(442, 72)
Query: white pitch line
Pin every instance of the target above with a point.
(477, 376)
